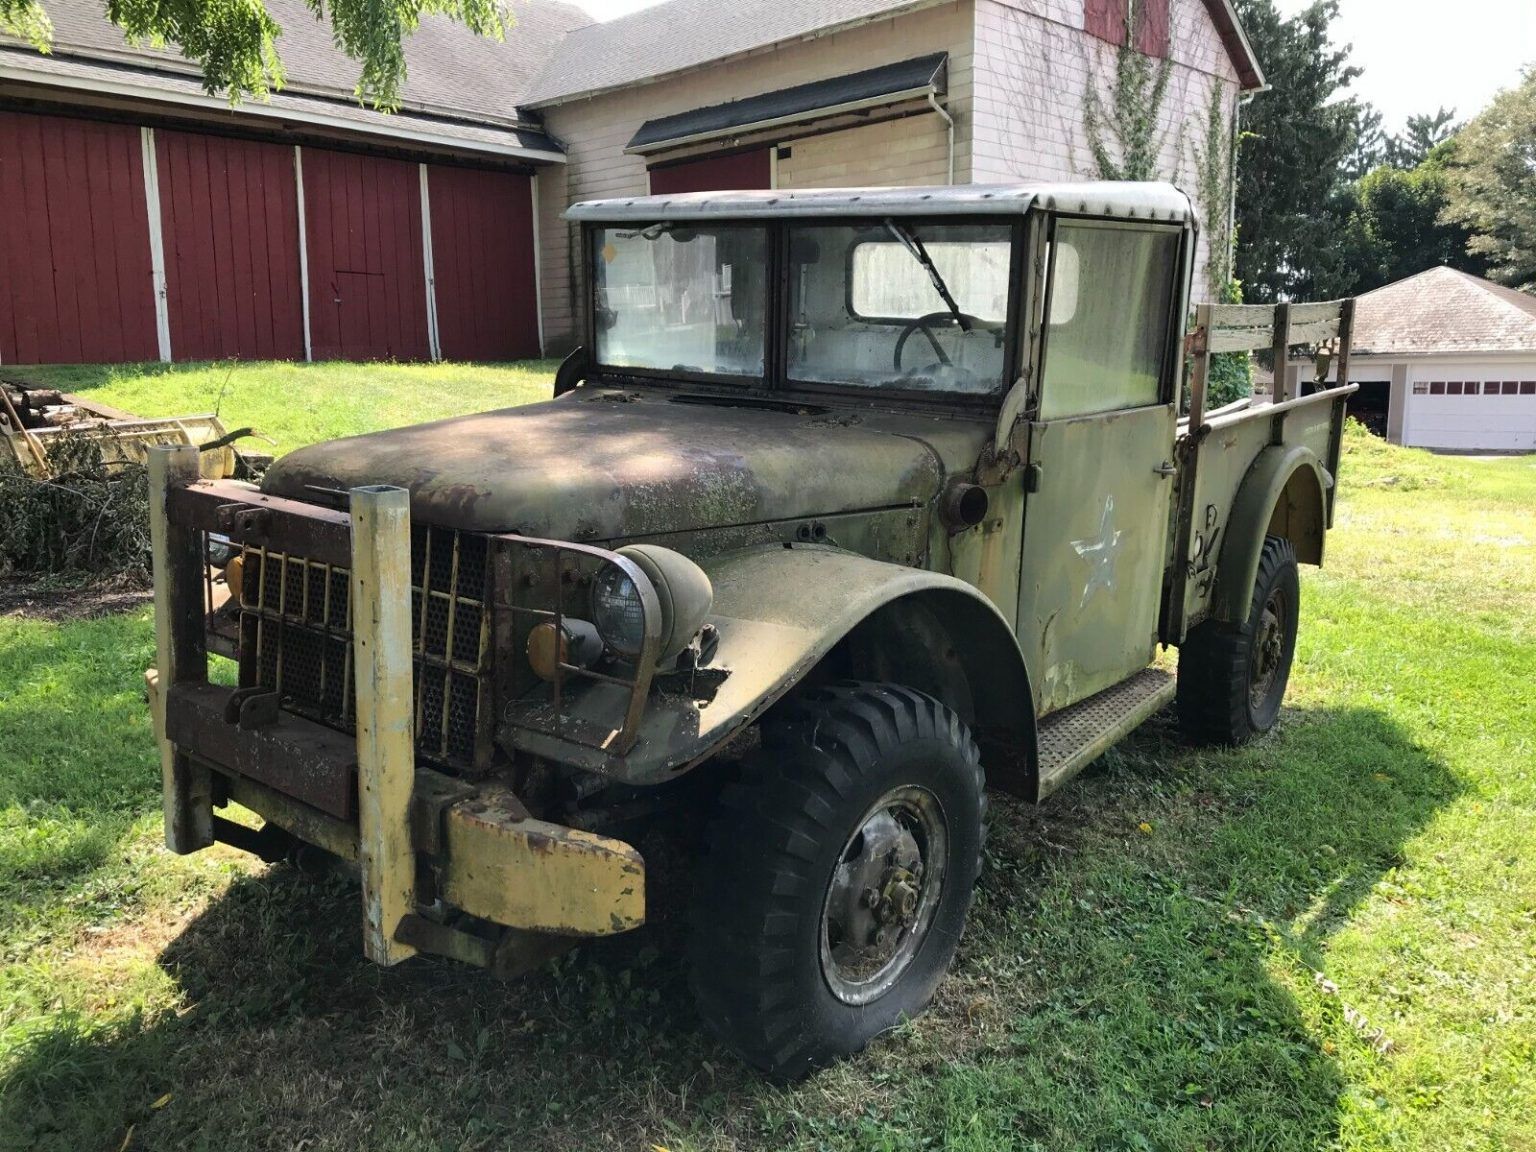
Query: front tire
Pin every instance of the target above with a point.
(838, 876)
(1232, 680)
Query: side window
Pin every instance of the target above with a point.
(1111, 300)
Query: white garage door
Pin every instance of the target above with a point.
(1472, 408)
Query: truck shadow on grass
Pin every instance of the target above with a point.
(1138, 973)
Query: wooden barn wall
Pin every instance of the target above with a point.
(231, 233)
(367, 283)
(482, 264)
(76, 284)
(733, 171)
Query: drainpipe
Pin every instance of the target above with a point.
(949, 129)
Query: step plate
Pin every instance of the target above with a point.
(1074, 737)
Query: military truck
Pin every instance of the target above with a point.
(856, 504)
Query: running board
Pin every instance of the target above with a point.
(1076, 736)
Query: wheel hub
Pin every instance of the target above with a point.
(882, 895)
(1268, 652)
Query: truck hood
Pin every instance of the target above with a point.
(609, 465)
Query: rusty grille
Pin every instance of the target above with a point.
(296, 639)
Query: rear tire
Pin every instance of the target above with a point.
(1232, 680)
(838, 875)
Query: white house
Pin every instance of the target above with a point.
(1446, 360)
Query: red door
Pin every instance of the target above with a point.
(734, 171)
(482, 264)
(76, 285)
(231, 234)
(367, 283)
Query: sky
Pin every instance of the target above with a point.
(1417, 54)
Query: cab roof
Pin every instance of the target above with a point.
(1122, 199)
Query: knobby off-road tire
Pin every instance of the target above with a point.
(1232, 680)
(865, 802)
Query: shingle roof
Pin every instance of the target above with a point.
(1443, 310)
(678, 35)
(449, 70)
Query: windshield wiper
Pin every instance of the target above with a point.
(913, 245)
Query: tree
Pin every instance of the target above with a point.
(1423, 135)
(1394, 227)
(1370, 147)
(1492, 172)
(235, 42)
(1295, 140)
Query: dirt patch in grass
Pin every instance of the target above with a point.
(57, 605)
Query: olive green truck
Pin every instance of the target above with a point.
(853, 504)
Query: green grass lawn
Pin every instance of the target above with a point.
(297, 404)
(1325, 940)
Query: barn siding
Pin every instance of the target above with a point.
(482, 264)
(732, 172)
(75, 279)
(231, 235)
(367, 284)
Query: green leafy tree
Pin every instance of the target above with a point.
(1396, 227)
(1492, 171)
(235, 42)
(1296, 138)
(1423, 134)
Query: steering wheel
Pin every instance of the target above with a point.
(922, 324)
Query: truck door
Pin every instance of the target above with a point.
(1100, 456)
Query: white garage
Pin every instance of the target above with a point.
(1448, 361)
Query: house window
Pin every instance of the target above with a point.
(1453, 387)
(1528, 387)
(1472, 387)
(1437, 388)
(1109, 19)
(1421, 388)
(1511, 387)
(1491, 388)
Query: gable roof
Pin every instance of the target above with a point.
(468, 84)
(680, 35)
(1443, 310)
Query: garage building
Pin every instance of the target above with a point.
(1446, 360)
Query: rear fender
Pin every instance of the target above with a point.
(1283, 494)
(784, 615)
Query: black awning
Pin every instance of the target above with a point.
(886, 84)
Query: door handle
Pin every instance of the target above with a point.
(1165, 469)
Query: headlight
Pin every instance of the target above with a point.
(617, 611)
(683, 598)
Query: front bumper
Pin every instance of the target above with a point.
(443, 858)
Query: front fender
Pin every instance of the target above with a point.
(778, 612)
(1282, 494)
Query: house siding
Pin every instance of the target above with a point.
(1034, 67)
(911, 150)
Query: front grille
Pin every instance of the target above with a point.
(296, 639)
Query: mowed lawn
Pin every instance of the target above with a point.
(1327, 939)
(296, 404)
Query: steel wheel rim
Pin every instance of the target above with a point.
(1268, 651)
(878, 907)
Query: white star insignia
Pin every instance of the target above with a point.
(1100, 552)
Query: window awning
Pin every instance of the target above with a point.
(915, 79)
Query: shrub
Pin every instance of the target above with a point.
(89, 517)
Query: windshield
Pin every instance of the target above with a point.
(681, 299)
(900, 304)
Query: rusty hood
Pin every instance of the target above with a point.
(607, 465)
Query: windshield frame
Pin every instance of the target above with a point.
(775, 382)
